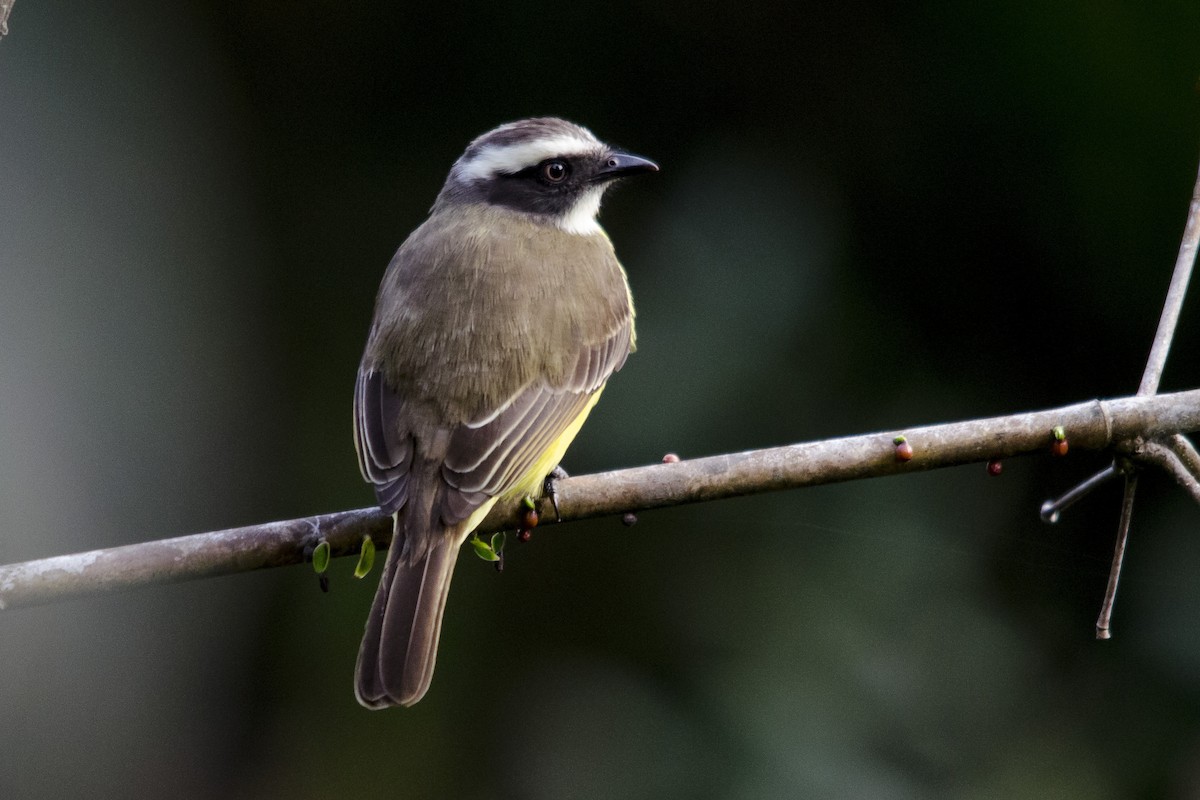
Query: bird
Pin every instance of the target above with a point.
(497, 324)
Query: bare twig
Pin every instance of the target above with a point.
(1175, 294)
(201, 555)
(1163, 336)
(1096, 425)
(1165, 459)
(1114, 574)
(1186, 452)
(1151, 377)
(5, 9)
(1051, 509)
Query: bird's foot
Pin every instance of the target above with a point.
(548, 488)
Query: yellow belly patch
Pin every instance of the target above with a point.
(533, 480)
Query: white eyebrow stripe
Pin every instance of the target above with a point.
(510, 158)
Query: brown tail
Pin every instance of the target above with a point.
(395, 661)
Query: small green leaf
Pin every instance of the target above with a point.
(498, 540)
(1059, 433)
(483, 549)
(899, 440)
(529, 503)
(320, 557)
(366, 558)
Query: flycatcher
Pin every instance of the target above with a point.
(497, 324)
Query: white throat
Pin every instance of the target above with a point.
(581, 219)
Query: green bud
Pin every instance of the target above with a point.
(320, 557)
(483, 549)
(366, 558)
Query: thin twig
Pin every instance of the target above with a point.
(1163, 336)
(6, 7)
(1051, 509)
(1165, 459)
(1186, 452)
(1175, 294)
(1114, 573)
(1151, 377)
(1095, 425)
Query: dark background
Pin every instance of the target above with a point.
(869, 216)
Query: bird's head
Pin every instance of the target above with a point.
(546, 167)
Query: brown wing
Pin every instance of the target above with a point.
(486, 456)
(385, 448)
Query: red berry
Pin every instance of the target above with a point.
(904, 451)
(670, 458)
(529, 519)
(524, 534)
(995, 467)
(1058, 447)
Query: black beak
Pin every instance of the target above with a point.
(620, 165)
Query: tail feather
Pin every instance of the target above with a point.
(399, 647)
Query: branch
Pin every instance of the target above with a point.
(1104, 621)
(1175, 294)
(1169, 459)
(1169, 462)
(1096, 425)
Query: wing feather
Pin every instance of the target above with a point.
(486, 457)
(385, 447)
(545, 415)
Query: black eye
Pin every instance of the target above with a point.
(555, 171)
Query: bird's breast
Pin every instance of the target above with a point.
(479, 304)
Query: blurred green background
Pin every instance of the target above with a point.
(869, 216)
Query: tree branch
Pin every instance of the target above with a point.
(1155, 453)
(1169, 462)
(1167, 321)
(1095, 425)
